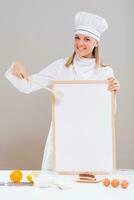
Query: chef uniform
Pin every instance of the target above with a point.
(81, 69)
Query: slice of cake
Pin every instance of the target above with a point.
(87, 176)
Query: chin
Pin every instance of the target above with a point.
(81, 55)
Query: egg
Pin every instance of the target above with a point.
(115, 183)
(106, 182)
(124, 184)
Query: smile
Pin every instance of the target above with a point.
(81, 49)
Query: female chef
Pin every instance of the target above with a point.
(84, 64)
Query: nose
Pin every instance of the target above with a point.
(81, 43)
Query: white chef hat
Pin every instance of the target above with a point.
(89, 24)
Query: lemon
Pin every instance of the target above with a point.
(29, 178)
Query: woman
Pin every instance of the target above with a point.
(84, 64)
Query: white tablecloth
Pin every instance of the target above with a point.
(78, 191)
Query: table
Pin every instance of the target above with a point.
(78, 191)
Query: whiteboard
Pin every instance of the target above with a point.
(83, 127)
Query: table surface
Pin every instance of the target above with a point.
(78, 191)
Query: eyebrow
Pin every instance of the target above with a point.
(84, 36)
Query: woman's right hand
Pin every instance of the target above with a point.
(19, 71)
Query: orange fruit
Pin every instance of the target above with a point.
(124, 184)
(16, 176)
(106, 182)
(115, 183)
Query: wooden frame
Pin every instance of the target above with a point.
(58, 149)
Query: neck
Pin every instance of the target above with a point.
(82, 61)
(87, 56)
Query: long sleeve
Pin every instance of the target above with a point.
(111, 74)
(44, 78)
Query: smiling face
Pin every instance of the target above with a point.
(84, 45)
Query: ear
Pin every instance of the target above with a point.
(96, 43)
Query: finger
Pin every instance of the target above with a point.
(114, 84)
(19, 76)
(110, 83)
(24, 75)
(114, 81)
(114, 88)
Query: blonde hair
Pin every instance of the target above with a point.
(95, 54)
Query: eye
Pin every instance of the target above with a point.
(77, 37)
(87, 39)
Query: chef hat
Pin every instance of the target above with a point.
(89, 24)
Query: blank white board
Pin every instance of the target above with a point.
(83, 127)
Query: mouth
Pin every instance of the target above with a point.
(81, 49)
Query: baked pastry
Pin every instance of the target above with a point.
(87, 176)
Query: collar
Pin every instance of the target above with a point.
(83, 65)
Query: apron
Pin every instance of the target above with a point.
(82, 70)
(47, 162)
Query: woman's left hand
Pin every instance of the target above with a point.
(113, 85)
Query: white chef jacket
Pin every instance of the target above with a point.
(82, 69)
